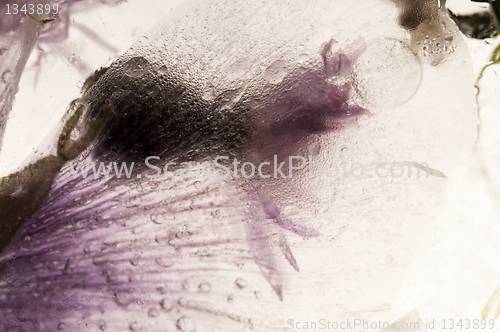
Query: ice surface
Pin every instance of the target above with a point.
(249, 80)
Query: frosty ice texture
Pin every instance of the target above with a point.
(250, 80)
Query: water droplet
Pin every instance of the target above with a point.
(241, 283)
(184, 324)
(216, 213)
(197, 184)
(61, 326)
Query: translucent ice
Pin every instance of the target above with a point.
(254, 81)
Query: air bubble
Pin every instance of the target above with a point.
(135, 260)
(167, 304)
(153, 312)
(102, 325)
(163, 70)
(315, 149)
(7, 76)
(241, 283)
(388, 74)
(183, 302)
(157, 219)
(186, 285)
(136, 326)
(303, 58)
(184, 324)
(135, 67)
(204, 287)
(164, 262)
(276, 72)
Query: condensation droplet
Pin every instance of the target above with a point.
(197, 184)
(61, 326)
